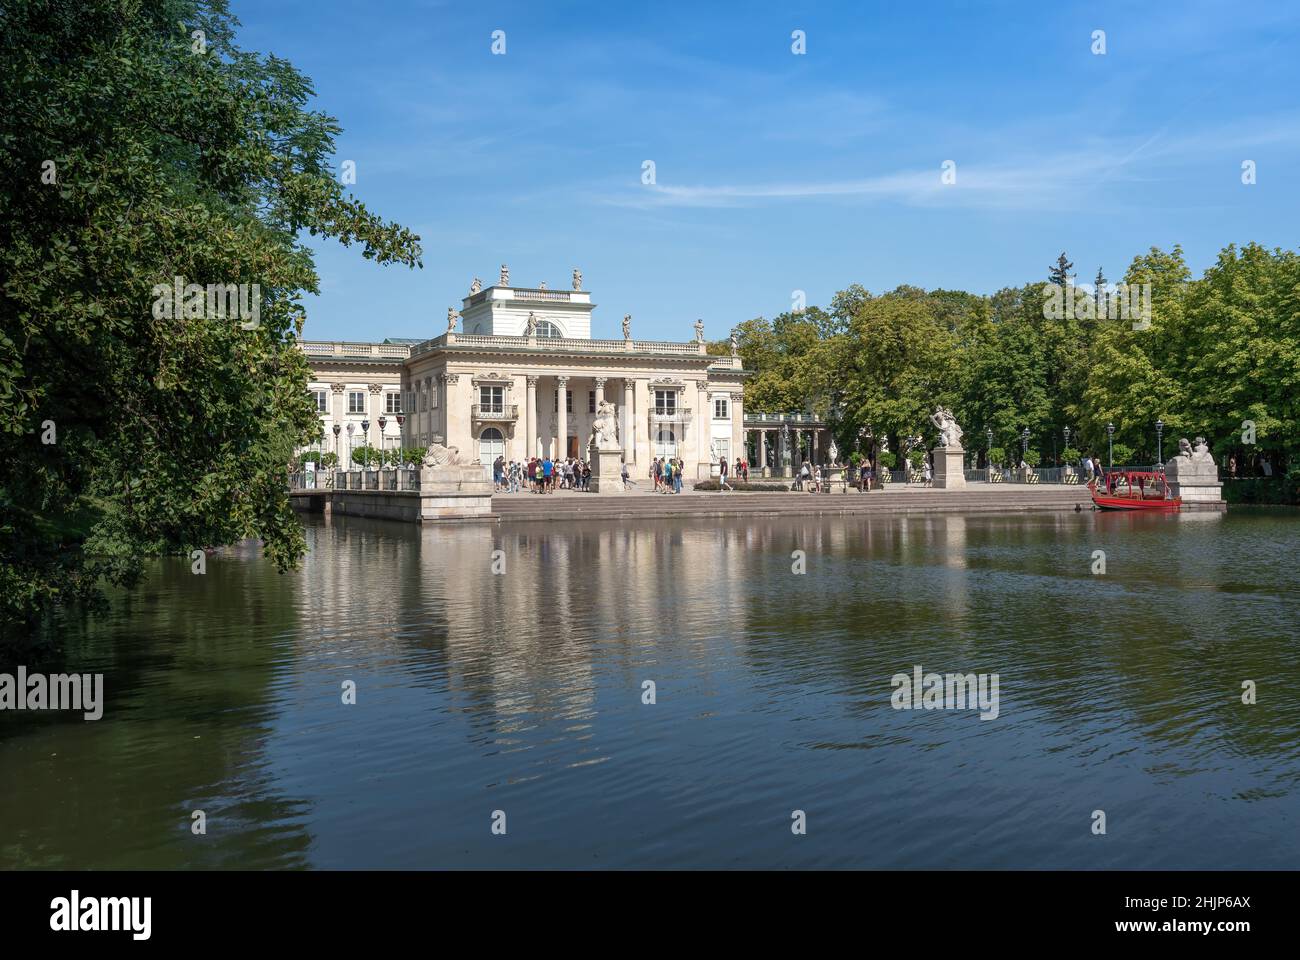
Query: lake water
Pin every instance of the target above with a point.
(522, 692)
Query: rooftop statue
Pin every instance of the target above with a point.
(532, 324)
(505, 276)
(475, 285)
(577, 279)
(699, 331)
(627, 326)
(452, 317)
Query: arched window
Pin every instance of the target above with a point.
(547, 329)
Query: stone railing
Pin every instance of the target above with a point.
(533, 294)
(355, 351)
(670, 415)
(495, 411)
(561, 345)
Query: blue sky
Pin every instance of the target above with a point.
(778, 172)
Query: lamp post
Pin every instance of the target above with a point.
(348, 465)
(337, 431)
(383, 422)
(1110, 443)
(401, 451)
(988, 455)
(1067, 438)
(1160, 429)
(1024, 444)
(365, 444)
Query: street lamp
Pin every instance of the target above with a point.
(1024, 444)
(337, 431)
(1067, 438)
(401, 451)
(351, 427)
(365, 443)
(1160, 429)
(1110, 443)
(383, 422)
(988, 456)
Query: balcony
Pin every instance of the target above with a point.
(669, 415)
(507, 412)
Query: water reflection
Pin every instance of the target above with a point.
(502, 667)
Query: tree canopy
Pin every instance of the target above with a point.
(144, 149)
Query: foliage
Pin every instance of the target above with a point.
(997, 456)
(888, 460)
(1071, 455)
(367, 456)
(1032, 457)
(170, 159)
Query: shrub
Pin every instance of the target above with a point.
(1070, 455)
(1033, 457)
(888, 460)
(366, 456)
(997, 456)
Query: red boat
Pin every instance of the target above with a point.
(1133, 490)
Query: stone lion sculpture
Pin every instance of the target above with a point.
(440, 456)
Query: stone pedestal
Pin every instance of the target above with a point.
(949, 472)
(606, 470)
(836, 482)
(448, 492)
(1195, 479)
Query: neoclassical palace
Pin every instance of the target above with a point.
(522, 377)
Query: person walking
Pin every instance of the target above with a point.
(677, 475)
(927, 473)
(722, 476)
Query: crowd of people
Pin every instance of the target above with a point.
(543, 475)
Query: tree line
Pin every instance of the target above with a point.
(1218, 357)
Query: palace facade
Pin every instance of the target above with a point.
(523, 379)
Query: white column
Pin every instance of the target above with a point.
(629, 439)
(562, 417)
(530, 420)
(600, 391)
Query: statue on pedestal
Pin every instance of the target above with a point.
(452, 317)
(531, 327)
(735, 344)
(475, 285)
(505, 276)
(834, 452)
(627, 326)
(699, 331)
(577, 279)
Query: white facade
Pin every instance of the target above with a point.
(492, 389)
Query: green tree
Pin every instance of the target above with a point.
(141, 145)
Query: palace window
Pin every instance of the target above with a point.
(356, 401)
(665, 402)
(591, 401)
(394, 403)
(322, 401)
(492, 399)
(720, 408)
(547, 329)
(568, 401)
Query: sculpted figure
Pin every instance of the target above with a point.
(627, 326)
(532, 325)
(452, 317)
(950, 433)
(604, 429)
(577, 279)
(834, 453)
(1185, 448)
(699, 331)
(475, 285)
(735, 344)
(1202, 451)
(439, 456)
(505, 276)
